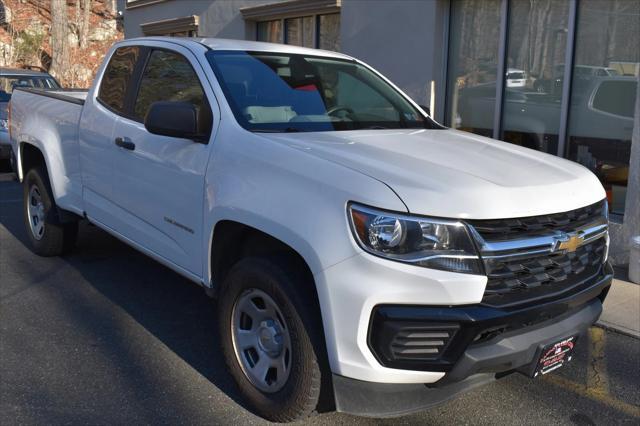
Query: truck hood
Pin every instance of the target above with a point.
(451, 173)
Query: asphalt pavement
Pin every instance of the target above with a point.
(106, 335)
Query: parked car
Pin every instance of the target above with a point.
(360, 253)
(582, 75)
(601, 109)
(516, 78)
(10, 78)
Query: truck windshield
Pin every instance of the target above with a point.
(278, 92)
(9, 82)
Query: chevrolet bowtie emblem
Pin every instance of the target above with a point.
(568, 242)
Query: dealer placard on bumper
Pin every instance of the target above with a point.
(555, 355)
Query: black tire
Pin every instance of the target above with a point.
(299, 396)
(56, 238)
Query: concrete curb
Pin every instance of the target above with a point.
(621, 311)
(618, 329)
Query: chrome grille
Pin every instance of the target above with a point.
(507, 229)
(540, 257)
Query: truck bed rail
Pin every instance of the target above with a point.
(56, 94)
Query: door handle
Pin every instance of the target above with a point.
(125, 143)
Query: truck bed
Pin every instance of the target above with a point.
(50, 118)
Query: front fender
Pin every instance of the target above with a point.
(289, 194)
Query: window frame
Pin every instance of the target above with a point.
(131, 83)
(138, 81)
(283, 36)
(283, 22)
(169, 27)
(314, 29)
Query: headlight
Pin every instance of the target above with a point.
(431, 243)
(4, 124)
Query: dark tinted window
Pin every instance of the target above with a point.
(117, 77)
(168, 76)
(616, 97)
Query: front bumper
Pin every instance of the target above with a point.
(479, 365)
(472, 361)
(467, 326)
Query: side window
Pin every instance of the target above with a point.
(117, 77)
(168, 76)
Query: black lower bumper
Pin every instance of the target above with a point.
(519, 350)
(426, 338)
(390, 400)
(486, 343)
(479, 365)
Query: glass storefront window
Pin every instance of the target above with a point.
(270, 31)
(536, 41)
(603, 92)
(473, 63)
(300, 31)
(322, 31)
(329, 32)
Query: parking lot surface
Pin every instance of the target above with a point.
(106, 335)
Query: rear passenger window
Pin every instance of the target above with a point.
(117, 77)
(168, 76)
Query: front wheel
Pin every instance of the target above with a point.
(272, 339)
(48, 237)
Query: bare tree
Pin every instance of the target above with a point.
(83, 12)
(59, 48)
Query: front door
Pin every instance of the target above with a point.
(158, 181)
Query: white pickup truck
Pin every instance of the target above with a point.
(363, 257)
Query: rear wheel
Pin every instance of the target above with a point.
(272, 339)
(47, 235)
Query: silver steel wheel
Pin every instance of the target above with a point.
(35, 210)
(261, 340)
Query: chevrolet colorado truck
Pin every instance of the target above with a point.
(362, 257)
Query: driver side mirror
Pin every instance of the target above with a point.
(175, 119)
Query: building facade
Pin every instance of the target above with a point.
(558, 76)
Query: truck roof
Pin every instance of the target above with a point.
(253, 46)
